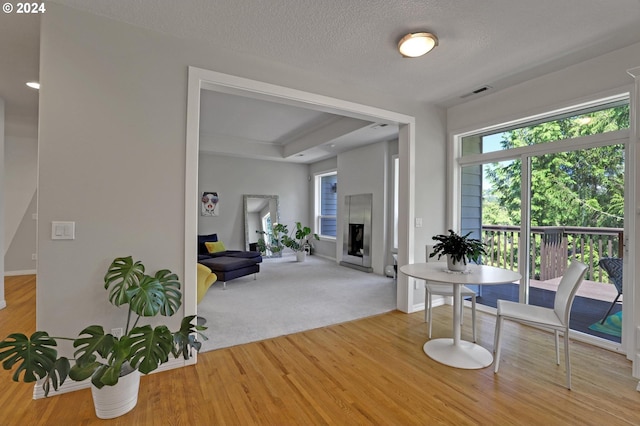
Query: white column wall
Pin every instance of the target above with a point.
(3, 302)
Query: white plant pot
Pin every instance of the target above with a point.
(452, 265)
(114, 401)
(301, 256)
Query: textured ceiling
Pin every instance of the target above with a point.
(494, 42)
(491, 42)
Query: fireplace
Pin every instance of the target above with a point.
(356, 239)
(356, 245)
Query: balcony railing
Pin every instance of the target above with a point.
(552, 247)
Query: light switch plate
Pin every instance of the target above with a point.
(63, 230)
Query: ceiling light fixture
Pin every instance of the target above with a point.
(417, 44)
(34, 85)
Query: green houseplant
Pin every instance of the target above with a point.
(297, 238)
(101, 356)
(271, 243)
(458, 249)
(281, 237)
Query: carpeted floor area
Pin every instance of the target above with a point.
(289, 297)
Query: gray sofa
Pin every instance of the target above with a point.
(228, 264)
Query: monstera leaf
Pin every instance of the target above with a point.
(35, 355)
(147, 298)
(150, 347)
(90, 341)
(36, 358)
(171, 292)
(122, 275)
(184, 339)
(57, 375)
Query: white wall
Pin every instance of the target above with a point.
(21, 163)
(605, 74)
(112, 151)
(3, 303)
(430, 183)
(232, 177)
(18, 260)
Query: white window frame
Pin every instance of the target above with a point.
(317, 204)
(524, 153)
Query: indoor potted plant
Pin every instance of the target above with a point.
(458, 249)
(297, 240)
(270, 244)
(113, 361)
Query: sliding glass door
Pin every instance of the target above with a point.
(545, 193)
(577, 212)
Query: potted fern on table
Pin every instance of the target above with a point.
(459, 249)
(113, 363)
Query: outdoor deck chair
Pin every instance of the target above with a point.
(613, 268)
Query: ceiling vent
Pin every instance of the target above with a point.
(477, 91)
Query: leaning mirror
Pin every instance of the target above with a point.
(260, 214)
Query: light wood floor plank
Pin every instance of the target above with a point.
(370, 371)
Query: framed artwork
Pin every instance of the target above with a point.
(210, 204)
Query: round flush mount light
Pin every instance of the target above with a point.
(33, 84)
(414, 45)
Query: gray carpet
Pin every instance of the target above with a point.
(289, 297)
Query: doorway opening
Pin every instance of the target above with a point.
(200, 79)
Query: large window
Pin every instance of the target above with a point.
(543, 193)
(326, 204)
(594, 120)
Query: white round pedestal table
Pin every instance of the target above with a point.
(456, 352)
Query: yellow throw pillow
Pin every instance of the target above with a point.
(214, 247)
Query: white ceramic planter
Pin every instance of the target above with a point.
(301, 256)
(455, 266)
(114, 401)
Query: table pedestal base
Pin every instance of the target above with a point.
(465, 354)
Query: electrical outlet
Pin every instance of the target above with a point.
(117, 332)
(34, 256)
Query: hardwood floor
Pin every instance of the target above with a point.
(370, 371)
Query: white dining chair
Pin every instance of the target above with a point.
(556, 319)
(447, 290)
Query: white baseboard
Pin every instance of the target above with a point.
(15, 273)
(435, 302)
(71, 386)
(416, 308)
(3, 303)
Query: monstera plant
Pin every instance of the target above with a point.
(103, 357)
(296, 240)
